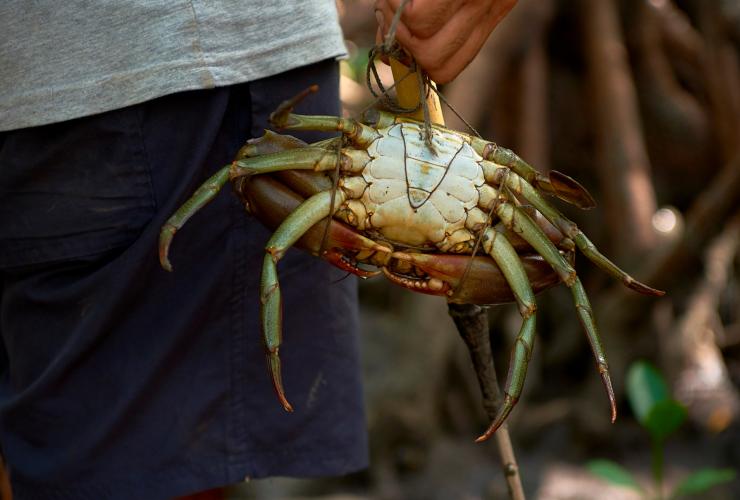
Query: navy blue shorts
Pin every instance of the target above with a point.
(122, 381)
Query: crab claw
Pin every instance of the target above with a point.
(427, 285)
(568, 189)
(474, 280)
(341, 261)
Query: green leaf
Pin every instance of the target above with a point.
(702, 480)
(645, 388)
(664, 418)
(614, 473)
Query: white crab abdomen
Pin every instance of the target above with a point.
(419, 197)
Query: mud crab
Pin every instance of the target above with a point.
(410, 205)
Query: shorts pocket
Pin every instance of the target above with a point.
(73, 189)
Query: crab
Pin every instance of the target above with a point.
(462, 279)
(414, 195)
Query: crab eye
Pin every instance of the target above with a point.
(371, 117)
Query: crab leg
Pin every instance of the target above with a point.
(554, 183)
(518, 221)
(309, 158)
(499, 248)
(283, 118)
(272, 201)
(523, 188)
(361, 135)
(205, 193)
(310, 212)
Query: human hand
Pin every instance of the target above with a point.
(442, 35)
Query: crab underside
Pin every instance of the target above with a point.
(417, 208)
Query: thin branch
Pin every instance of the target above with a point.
(472, 324)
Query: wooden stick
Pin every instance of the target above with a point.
(472, 324)
(407, 90)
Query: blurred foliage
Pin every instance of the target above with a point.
(661, 416)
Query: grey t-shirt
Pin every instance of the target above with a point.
(64, 60)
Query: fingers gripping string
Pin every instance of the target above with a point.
(384, 96)
(390, 48)
(390, 37)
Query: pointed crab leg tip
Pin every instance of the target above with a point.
(489, 432)
(164, 260)
(606, 380)
(283, 400)
(279, 117)
(303, 94)
(644, 289)
(165, 240)
(503, 414)
(613, 407)
(273, 361)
